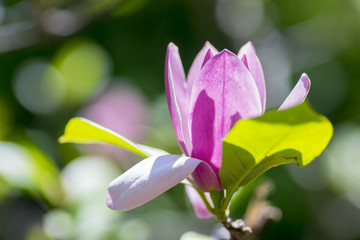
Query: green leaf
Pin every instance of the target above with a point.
(296, 135)
(80, 130)
(217, 198)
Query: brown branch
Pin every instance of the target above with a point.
(237, 229)
(260, 212)
(258, 215)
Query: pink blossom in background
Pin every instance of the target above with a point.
(124, 109)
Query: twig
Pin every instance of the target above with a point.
(260, 212)
(258, 215)
(237, 229)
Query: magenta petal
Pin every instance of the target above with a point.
(198, 204)
(254, 66)
(224, 92)
(176, 94)
(148, 179)
(198, 63)
(298, 94)
(244, 60)
(208, 55)
(206, 179)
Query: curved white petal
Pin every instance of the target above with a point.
(148, 179)
(298, 94)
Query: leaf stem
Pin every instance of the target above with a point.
(206, 202)
(202, 195)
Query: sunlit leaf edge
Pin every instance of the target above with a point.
(84, 131)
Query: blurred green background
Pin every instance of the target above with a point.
(104, 60)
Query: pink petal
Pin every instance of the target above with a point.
(298, 94)
(254, 66)
(245, 62)
(176, 94)
(224, 92)
(148, 179)
(198, 204)
(206, 178)
(198, 63)
(208, 55)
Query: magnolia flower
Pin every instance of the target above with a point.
(221, 88)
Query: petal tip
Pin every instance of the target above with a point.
(226, 52)
(225, 55)
(172, 47)
(207, 57)
(109, 200)
(298, 94)
(306, 80)
(171, 44)
(246, 48)
(250, 44)
(208, 45)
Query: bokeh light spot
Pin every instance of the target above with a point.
(342, 165)
(85, 179)
(39, 87)
(15, 164)
(58, 224)
(83, 64)
(240, 19)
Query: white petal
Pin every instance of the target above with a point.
(298, 94)
(148, 179)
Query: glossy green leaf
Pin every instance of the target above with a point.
(296, 135)
(80, 130)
